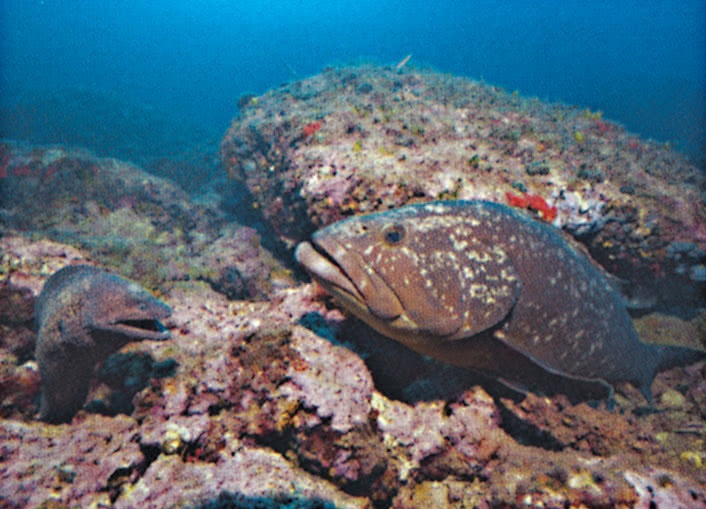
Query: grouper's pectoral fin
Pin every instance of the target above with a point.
(490, 288)
(461, 293)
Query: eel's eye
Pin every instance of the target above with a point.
(393, 234)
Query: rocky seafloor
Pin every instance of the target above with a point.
(267, 395)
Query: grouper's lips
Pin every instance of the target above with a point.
(326, 271)
(345, 274)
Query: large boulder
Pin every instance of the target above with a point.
(125, 217)
(363, 139)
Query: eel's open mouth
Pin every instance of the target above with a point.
(145, 328)
(140, 322)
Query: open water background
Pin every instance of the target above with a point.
(643, 63)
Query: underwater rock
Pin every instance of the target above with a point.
(287, 388)
(389, 138)
(26, 263)
(658, 488)
(15, 304)
(16, 312)
(246, 477)
(238, 266)
(81, 465)
(121, 215)
(112, 209)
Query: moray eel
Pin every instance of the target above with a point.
(480, 285)
(83, 315)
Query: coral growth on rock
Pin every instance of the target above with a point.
(124, 217)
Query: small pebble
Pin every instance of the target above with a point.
(672, 399)
(680, 247)
(590, 174)
(171, 442)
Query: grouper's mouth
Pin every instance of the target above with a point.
(345, 275)
(326, 271)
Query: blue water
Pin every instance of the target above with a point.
(643, 63)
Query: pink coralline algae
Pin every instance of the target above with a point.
(318, 388)
(66, 462)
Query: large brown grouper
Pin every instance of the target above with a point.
(480, 285)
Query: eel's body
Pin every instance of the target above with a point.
(480, 285)
(83, 315)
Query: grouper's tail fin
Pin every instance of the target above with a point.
(672, 356)
(668, 357)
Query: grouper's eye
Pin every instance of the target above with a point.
(393, 234)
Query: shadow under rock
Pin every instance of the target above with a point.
(126, 374)
(238, 201)
(404, 375)
(230, 500)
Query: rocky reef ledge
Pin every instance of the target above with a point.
(267, 395)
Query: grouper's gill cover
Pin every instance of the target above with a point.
(445, 278)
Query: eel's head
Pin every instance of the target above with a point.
(123, 309)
